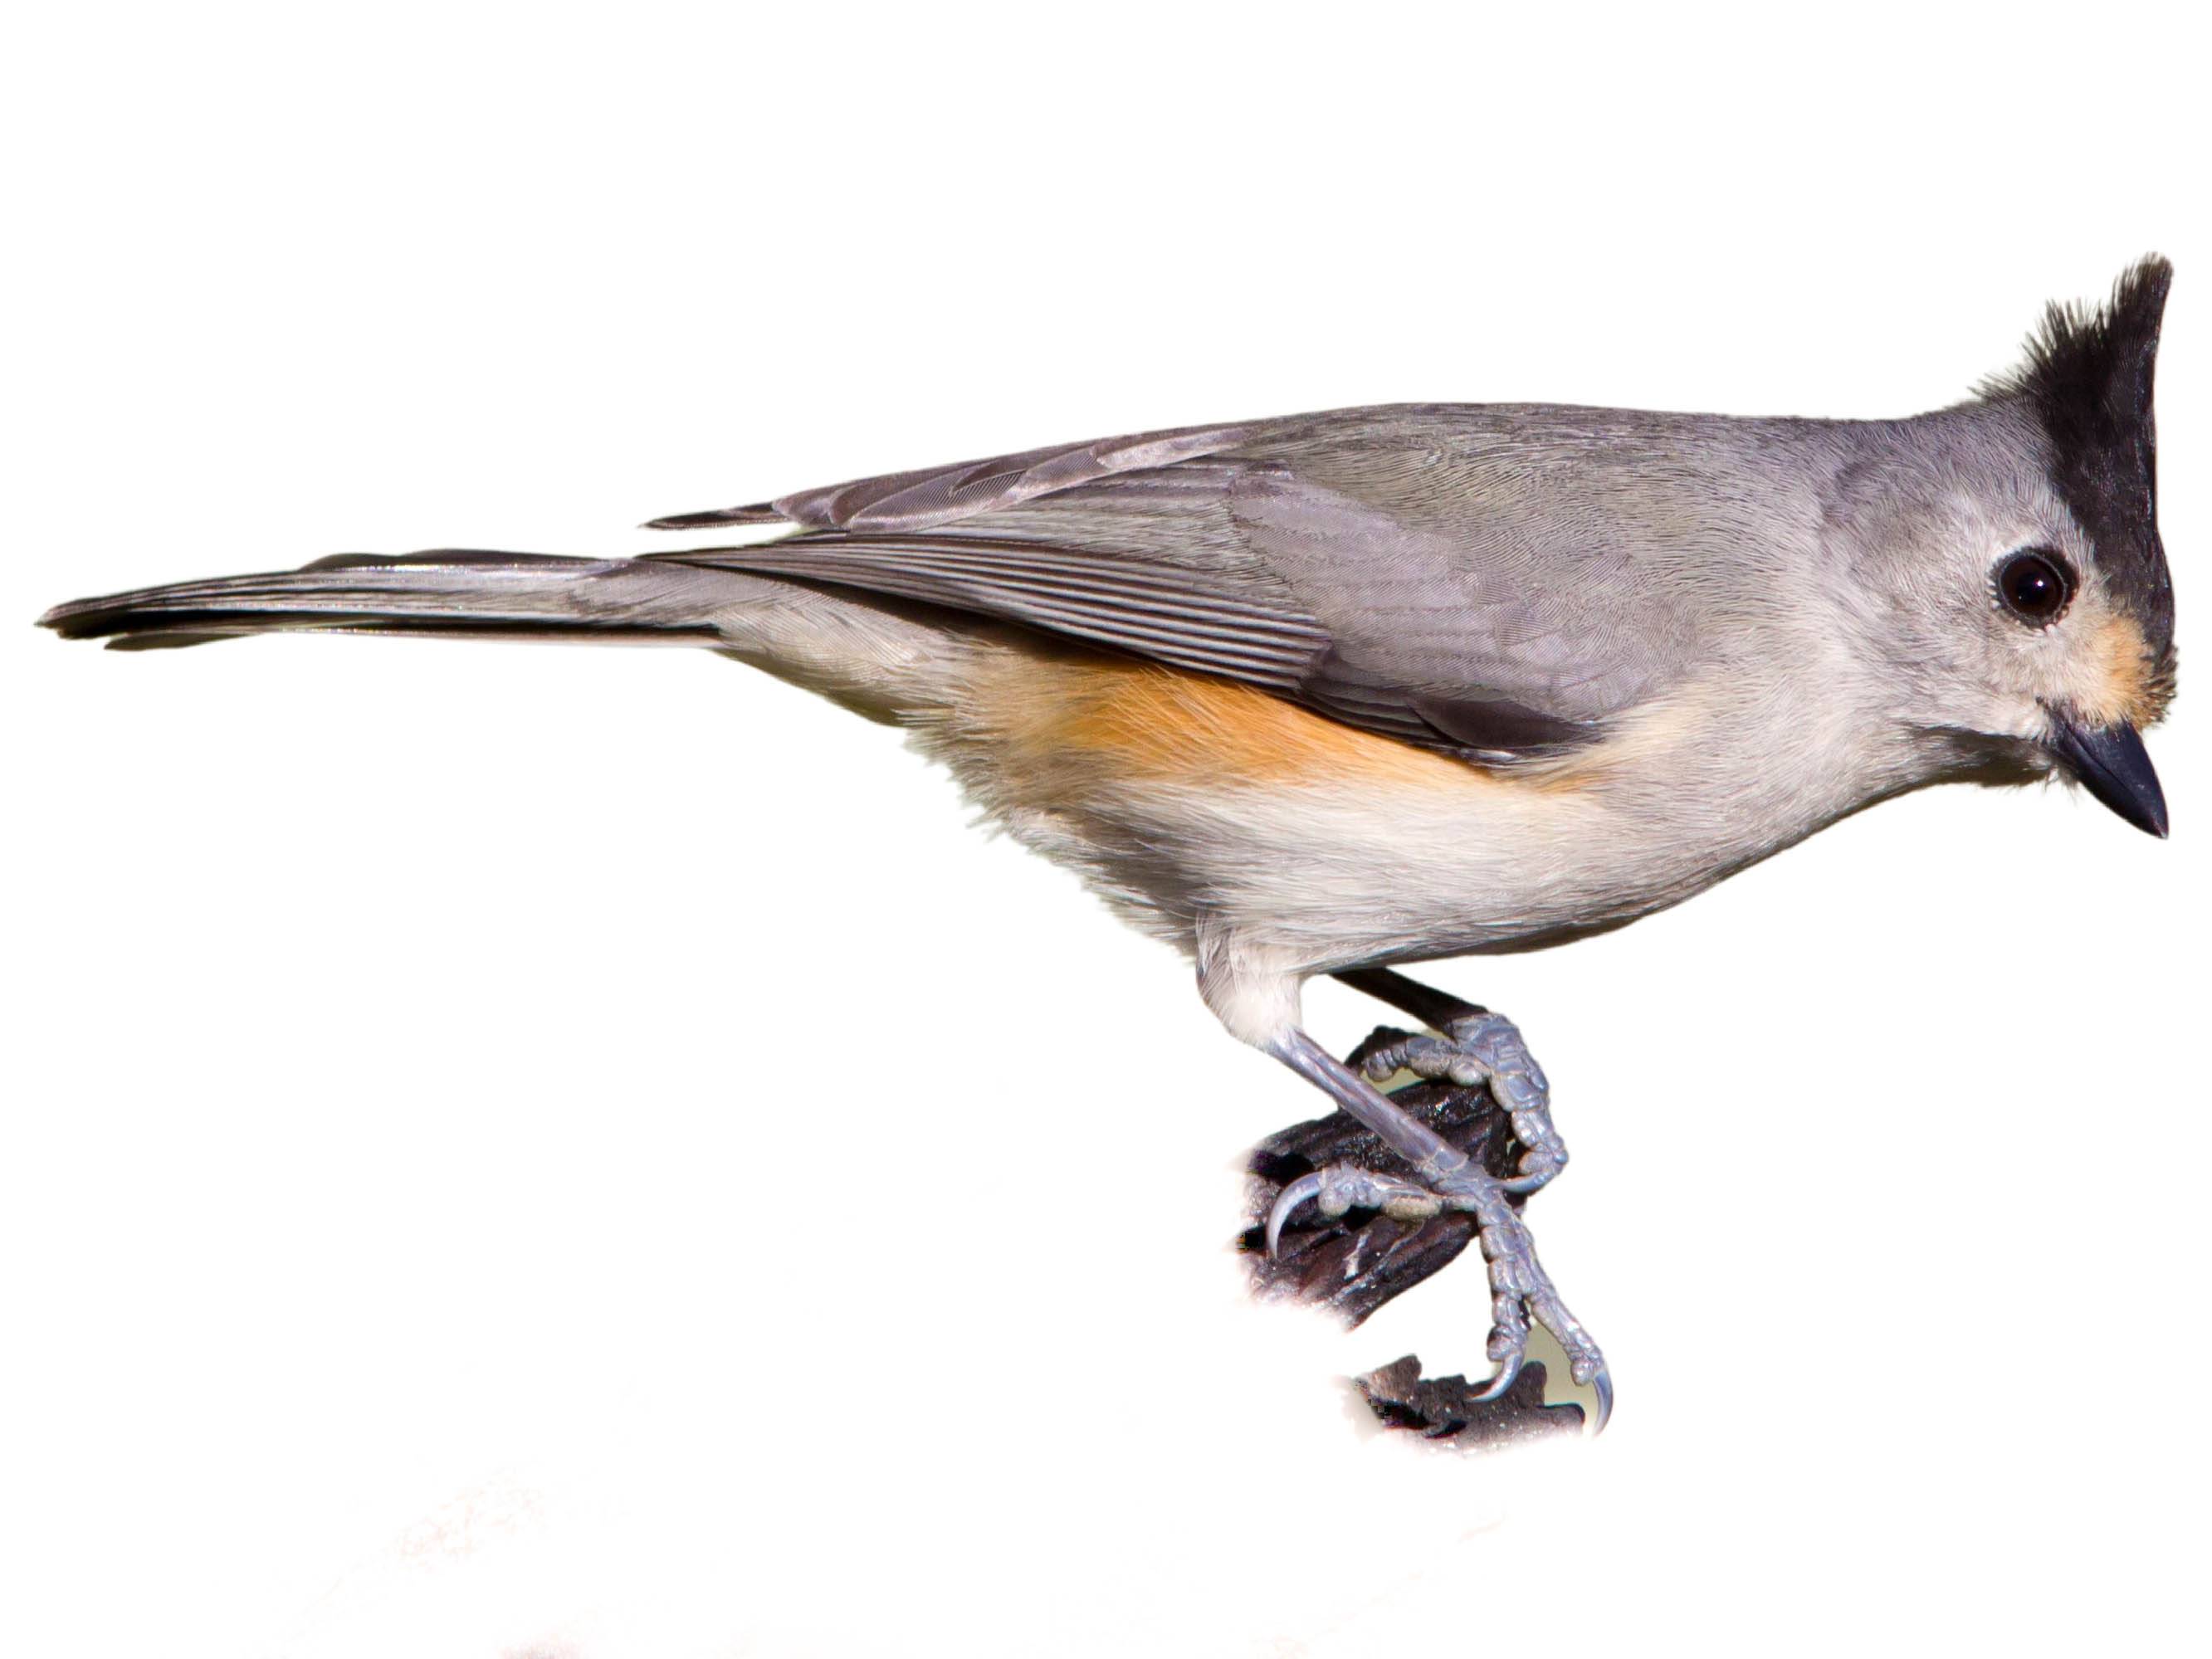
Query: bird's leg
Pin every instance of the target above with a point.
(1477, 1047)
(1255, 996)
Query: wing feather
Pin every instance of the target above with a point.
(1462, 577)
(1193, 618)
(942, 494)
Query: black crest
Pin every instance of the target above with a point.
(2088, 377)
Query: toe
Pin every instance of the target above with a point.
(1602, 1385)
(1296, 1193)
(1509, 1372)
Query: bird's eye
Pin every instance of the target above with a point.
(2035, 586)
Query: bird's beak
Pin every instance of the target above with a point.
(2111, 762)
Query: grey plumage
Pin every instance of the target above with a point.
(1513, 585)
(1489, 579)
(450, 592)
(1318, 694)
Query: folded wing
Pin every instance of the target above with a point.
(1394, 568)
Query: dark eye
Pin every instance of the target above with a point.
(2035, 586)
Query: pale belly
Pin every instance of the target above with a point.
(1186, 802)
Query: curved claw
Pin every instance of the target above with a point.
(1602, 1385)
(1296, 1193)
(1508, 1372)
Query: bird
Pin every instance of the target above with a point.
(1340, 693)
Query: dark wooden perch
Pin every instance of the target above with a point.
(1354, 1263)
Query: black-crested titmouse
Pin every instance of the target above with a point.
(1326, 694)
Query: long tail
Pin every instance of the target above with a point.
(449, 591)
(881, 658)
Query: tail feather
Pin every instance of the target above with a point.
(447, 592)
(881, 658)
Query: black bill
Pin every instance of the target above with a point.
(2112, 765)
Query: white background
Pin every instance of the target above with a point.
(475, 1179)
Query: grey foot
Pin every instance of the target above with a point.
(1477, 1050)
(1520, 1289)
(1474, 1049)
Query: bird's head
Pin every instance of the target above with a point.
(2001, 561)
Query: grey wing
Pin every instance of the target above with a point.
(938, 496)
(1367, 564)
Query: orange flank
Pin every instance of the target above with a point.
(1125, 720)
